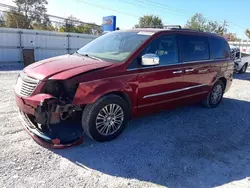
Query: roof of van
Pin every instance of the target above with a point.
(157, 30)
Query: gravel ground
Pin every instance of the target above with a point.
(186, 147)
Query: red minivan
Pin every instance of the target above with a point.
(120, 75)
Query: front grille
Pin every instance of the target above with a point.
(25, 85)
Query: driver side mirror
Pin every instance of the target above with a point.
(150, 60)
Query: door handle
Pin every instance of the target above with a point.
(203, 71)
(177, 72)
(189, 70)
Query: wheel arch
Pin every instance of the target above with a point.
(124, 96)
(90, 92)
(224, 80)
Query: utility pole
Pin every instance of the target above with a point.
(224, 25)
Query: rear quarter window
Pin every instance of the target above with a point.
(219, 48)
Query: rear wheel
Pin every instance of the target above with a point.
(215, 96)
(105, 119)
(243, 69)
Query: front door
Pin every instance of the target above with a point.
(162, 84)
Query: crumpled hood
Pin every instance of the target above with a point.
(49, 67)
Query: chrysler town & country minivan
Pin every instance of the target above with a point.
(118, 76)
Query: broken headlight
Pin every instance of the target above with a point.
(63, 90)
(54, 88)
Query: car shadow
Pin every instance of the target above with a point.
(245, 76)
(185, 147)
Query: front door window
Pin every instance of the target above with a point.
(166, 48)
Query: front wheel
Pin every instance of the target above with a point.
(105, 119)
(214, 98)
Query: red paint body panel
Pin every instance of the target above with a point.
(23, 107)
(80, 70)
(65, 66)
(29, 104)
(158, 80)
(89, 92)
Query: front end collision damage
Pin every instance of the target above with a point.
(49, 111)
(53, 116)
(58, 106)
(58, 100)
(45, 139)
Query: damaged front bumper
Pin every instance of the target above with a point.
(59, 135)
(44, 139)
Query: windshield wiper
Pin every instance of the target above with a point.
(92, 57)
(87, 55)
(76, 53)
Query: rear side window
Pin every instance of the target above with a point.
(219, 48)
(194, 48)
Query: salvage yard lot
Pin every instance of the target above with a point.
(187, 147)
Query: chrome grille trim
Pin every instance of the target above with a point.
(25, 85)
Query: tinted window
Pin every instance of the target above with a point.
(194, 48)
(165, 47)
(219, 48)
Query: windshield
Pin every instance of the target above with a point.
(114, 46)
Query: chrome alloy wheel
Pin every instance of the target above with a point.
(216, 94)
(109, 119)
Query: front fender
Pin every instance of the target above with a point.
(89, 92)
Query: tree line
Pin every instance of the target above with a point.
(32, 14)
(196, 22)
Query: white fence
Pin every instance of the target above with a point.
(45, 43)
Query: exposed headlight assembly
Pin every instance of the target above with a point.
(62, 90)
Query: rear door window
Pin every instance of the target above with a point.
(194, 48)
(219, 48)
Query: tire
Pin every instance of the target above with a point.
(243, 69)
(209, 101)
(94, 112)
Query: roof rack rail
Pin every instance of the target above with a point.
(179, 27)
(172, 27)
(192, 29)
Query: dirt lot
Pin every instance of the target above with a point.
(186, 147)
